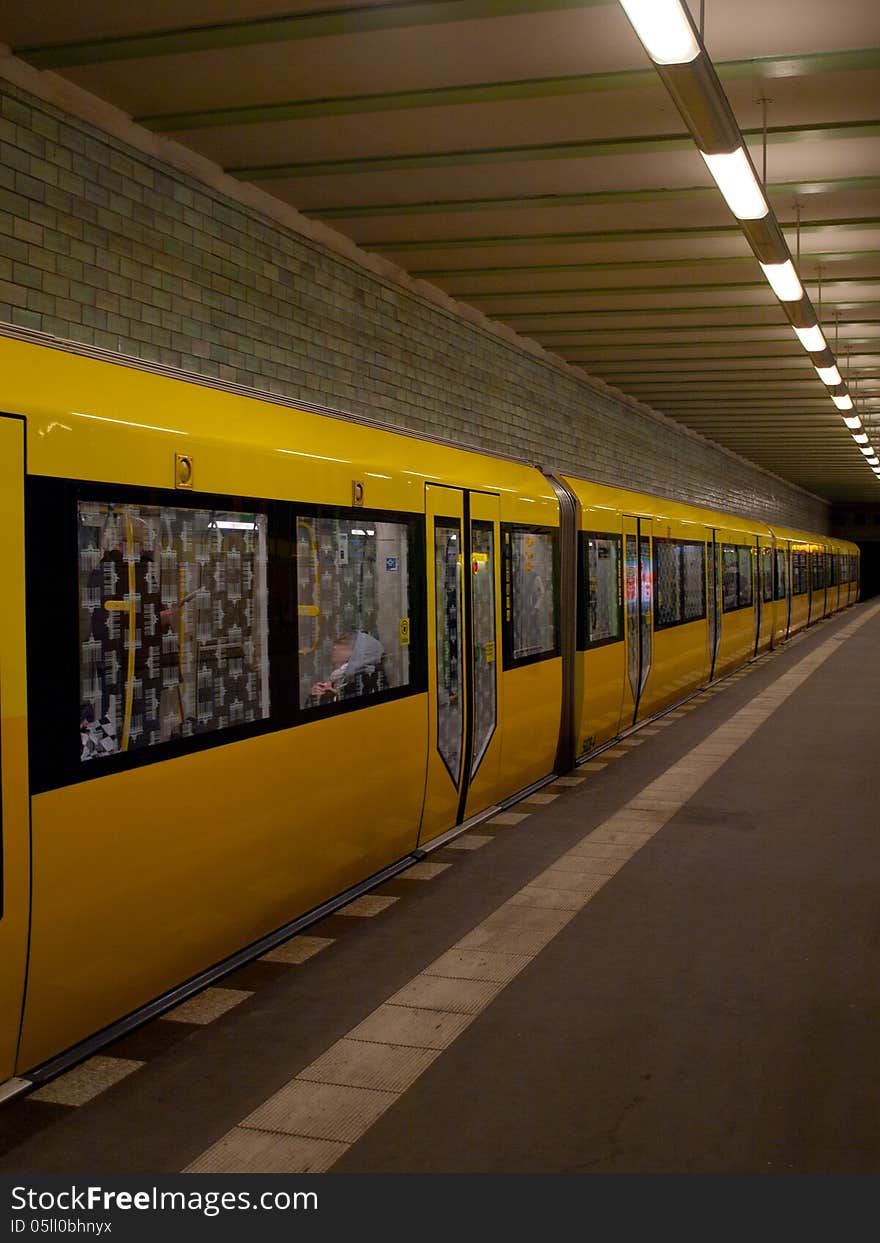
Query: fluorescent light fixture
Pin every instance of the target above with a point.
(812, 339)
(843, 403)
(830, 376)
(784, 281)
(664, 29)
(868, 452)
(736, 180)
(854, 424)
(861, 438)
(873, 461)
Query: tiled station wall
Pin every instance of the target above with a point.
(104, 245)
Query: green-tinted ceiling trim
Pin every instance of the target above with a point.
(559, 238)
(495, 92)
(356, 19)
(595, 198)
(625, 265)
(633, 349)
(680, 287)
(561, 336)
(636, 144)
(684, 366)
(655, 311)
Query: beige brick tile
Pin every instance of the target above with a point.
(207, 1006)
(405, 1025)
(243, 1151)
(436, 992)
(474, 964)
(83, 1083)
(320, 1110)
(367, 905)
(297, 950)
(363, 1064)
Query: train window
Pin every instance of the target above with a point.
(745, 575)
(173, 623)
(353, 605)
(736, 581)
(680, 577)
(530, 621)
(818, 559)
(450, 696)
(600, 600)
(729, 577)
(781, 574)
(485, 664)
(668, 583)
(767, 574)
(693, 565)
(798, 573)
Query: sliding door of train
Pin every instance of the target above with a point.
(14, 801)
(464, 687)
(764, 612)
(638, 594)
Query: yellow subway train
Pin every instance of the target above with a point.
(254, 657)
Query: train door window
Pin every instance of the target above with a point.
(450, 692)
(729, 577)
(632, 614)
(646, 592)
(767, 574)
(830, 569)
(818, 559)
(781, 574)
(744, 555)
(173, 623)
(693, 572)
(600, 611)
(353, 605)
(530, 619)
(485, 664)
(798, 573)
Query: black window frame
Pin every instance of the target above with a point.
(508, 603)
(799, 564)
(53, 682)
(584, 642)
(681, 543)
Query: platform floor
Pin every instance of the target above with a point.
(667, 962)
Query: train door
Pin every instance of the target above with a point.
(638, 589)
(14, 801)
(464, 688)
(764, 610)
(713, 600)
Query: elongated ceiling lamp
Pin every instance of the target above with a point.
(669, 36)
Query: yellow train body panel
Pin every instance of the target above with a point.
(181, 863)
(14, 803)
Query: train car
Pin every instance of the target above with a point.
(255, 657)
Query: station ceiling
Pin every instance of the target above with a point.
(524, 156)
